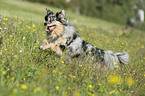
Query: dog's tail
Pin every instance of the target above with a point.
(115, 59)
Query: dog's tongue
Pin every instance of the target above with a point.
(51, 28)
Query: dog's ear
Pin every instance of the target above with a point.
(63, 13)
(48, 11)
(60, 14)
(61, 17)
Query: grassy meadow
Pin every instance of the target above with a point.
(27, 71)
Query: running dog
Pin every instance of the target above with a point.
(62, 38)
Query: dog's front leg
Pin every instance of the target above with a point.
(57, 49)
(45, 46)
(52, 46)
(45, 42)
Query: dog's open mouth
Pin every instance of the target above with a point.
(50, 28)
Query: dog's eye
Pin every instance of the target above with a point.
(49, 20)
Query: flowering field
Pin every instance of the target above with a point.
(27, 71)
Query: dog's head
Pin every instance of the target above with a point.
(49, 18)
(52, 21)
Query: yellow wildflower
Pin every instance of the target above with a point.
(28, 27)
(20, 22)
(15, 90)
(10, 35)
(4, 72)
(129, 81)
(91, 94)
(59, 73)
(62, 61)
(115, 63)
(117, 39)
(68, 88)
(54, 71)
(23, 86)
(77, 94)
(138, 43)
(12, 78)
(36, 89)
(100, 84)
(110, 92)
(142, 46)
(116, 66)
(57, 87)
(90, 86)
(8, 76)
(80, 65)
(5, 19)
(33, 26)
(74, 76)
(113, 79)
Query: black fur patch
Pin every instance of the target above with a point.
(100, 54)
(71, 39)
(76, 56)
(62, 47)
(84, 43)
(49, 18)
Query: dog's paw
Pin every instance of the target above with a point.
(45, 41)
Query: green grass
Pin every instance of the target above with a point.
(27, 71)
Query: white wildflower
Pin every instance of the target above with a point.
(23, 38)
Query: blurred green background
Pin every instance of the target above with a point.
(123, 12)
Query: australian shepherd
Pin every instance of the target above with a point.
(62, 38)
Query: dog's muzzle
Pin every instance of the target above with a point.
(50, 28)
